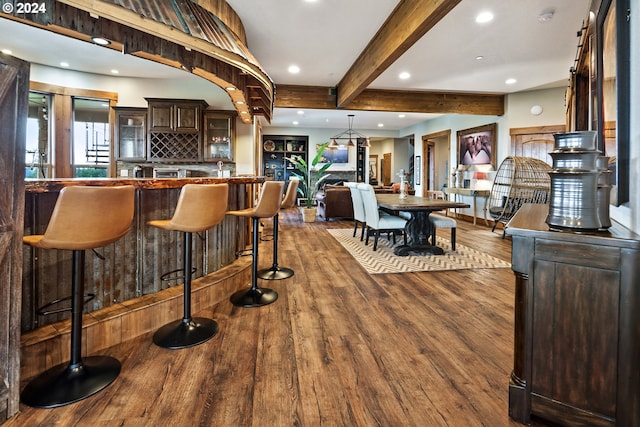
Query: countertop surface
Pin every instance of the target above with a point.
(55, 184)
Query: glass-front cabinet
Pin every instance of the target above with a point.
(219, 135)
(130, 132)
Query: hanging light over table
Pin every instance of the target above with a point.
(351, 136)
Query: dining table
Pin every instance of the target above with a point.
(418, 227)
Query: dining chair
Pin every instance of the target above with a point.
(359, 216)
(378, 221)
(440, 220)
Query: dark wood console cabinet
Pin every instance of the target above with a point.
(577, 324)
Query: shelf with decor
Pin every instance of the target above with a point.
(275, 150)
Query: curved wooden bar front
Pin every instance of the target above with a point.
(130, 299)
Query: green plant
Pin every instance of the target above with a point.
(310, 177)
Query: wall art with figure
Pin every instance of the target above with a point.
(476, 146)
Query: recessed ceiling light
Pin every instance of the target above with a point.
(114, 71)
(402, 116)
(404, 75)
(310, 1)
(230, 89)
(380, 125)
(510, 81)
(101, 41)
(484, 17)
(300, 112)
(240, 102)
(64, 64)
(295, 122)
(479, 57)
(7, 51)
(294, 69)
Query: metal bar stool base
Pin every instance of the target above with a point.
(66, 383)
(275, 273)
(254, 297)
(182, 334)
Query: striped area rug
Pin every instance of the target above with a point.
(383, 260)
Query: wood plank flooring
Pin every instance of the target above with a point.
(338, 348)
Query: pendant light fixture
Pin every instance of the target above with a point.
(351, 136)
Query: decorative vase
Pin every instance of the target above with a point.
(309, 214)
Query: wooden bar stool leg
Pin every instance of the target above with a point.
(275, 272)
(255, 296)
(80, 378)
(188, 331)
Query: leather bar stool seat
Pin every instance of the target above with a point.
(276, 272)
(267, 207)
(199, 208)
(83, 217)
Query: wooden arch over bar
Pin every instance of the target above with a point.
(208, 41)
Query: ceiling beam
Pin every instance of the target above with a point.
(408, 22)
(324, 98)
(428, 102)
(316, 97)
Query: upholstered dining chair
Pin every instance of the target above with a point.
(440, 220)
(377, 221)
(359, 216)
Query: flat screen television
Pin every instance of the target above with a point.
(335, 155)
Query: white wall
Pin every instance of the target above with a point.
(132, 91)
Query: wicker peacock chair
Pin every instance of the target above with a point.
(519, 180)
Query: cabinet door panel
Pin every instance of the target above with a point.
(576, 314)
(161, 117)
(187, 118)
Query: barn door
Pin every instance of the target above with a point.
(536, 142)
(14, 93)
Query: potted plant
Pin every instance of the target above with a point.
(310, 179)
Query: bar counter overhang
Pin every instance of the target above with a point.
(130, 299)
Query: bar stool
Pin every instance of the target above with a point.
(199, 208)
(267, 207)
(276, 272)
(83, 218)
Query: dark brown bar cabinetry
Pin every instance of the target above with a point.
(175, 130)
(577, 324)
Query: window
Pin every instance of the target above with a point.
(91, 145)
(38, 144)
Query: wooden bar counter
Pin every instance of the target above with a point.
(133, 265)
(130, 299)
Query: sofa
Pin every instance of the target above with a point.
(334, 201)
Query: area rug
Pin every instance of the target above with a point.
(383, 260)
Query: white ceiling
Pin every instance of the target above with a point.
(325, 37)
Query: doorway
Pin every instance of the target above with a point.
(436, 148)
(385, 169)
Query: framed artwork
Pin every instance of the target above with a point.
(373, 167)
(477, 146)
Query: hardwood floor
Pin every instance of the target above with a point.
(338, 348)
